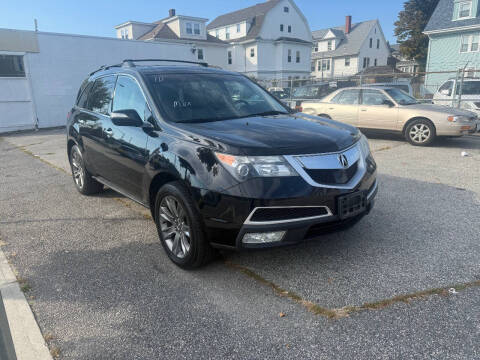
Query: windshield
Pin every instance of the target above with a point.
(401, 97)
(190, 98)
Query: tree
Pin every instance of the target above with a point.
(409, 29)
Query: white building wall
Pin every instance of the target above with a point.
(56, 72)
(271, 24)
(373, 53)
(341, 70)
(244, 27)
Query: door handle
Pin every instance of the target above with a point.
(363, 110)
(108, 132)
(331, 108)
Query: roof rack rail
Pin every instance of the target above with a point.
(105, 67)
(131, 62)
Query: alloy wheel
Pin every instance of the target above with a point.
(77, 169)
(174, 226)
(420, 133)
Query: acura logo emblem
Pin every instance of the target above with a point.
(342, 159)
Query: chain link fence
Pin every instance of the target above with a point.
(456, 88)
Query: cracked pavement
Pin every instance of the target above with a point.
(103, 288)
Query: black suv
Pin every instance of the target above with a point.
(219, 161)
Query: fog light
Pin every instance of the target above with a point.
(263, 238)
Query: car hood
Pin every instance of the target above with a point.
(274, 135)
(439, 108)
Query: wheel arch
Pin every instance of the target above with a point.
(414, 119)
(156, 183)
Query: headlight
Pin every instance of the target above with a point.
(457, 118)
(245, 167)
(364, 146)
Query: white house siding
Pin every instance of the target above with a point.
(276, 16)
(135, 30)
(373, 53)
(56, 72)
(342, 70)
(244, 27)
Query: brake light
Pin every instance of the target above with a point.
(299, 108)
(68, 115)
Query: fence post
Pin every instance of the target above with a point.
(460, 90)
(454, 90)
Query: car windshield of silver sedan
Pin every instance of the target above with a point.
(401, 97)
(195, 98)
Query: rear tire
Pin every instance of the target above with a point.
(83, 180)
(180, 227)
(420, 132)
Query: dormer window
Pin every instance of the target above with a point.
(227, 33)
(464, 9)
(238, 28)
(189, 28)
(196, 29)
(329, 45)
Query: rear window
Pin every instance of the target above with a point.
(82, 96)
(100, 95)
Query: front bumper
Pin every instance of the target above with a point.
(226, 217)
(303, 229)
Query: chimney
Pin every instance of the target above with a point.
(348, 24)
(171, 12)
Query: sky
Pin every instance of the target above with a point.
(98, 17)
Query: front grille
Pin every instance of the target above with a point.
(286, 213)
(332, 176)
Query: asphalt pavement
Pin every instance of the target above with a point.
(404, 283)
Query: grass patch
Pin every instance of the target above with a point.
(337, 313)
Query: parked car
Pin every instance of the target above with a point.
(421, 94)
(391, 109)
(216, 170)
(448, 94)
(315, 91)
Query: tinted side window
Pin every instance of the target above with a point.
(129, 96)
(83, 94)
(347, 97)
(373, 97)
(100, 96)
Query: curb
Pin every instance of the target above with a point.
(27, 338)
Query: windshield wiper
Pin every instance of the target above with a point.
(267, 113)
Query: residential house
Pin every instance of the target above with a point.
(402, 63)
(346, 50)
(268, 40)
(454, 33)
(178, 29)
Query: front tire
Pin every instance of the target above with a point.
(84, 182)
(180, 227)
(420, 132)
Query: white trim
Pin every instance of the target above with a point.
(133, 22)
(455, 29)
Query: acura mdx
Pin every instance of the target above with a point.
(220, 163)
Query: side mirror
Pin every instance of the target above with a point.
(445, 92)
(388, 103)
(126, 118)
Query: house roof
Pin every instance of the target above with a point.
(441, 18)
(350, 43)
(380, 70)
(241, 15)
(163, 31)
